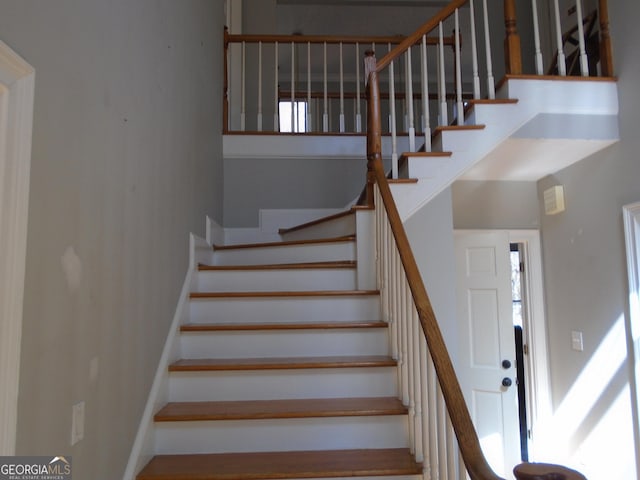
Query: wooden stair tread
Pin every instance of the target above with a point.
(286, 243)
(274, 409)
(279, 294)
(338, 264)
(454, 128)
(285, 363)
(318, 221)
(492, 101)
(222, 327)
(274, 465)
(405, 155)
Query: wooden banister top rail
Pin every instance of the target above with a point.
(331, 39)
(416, 36)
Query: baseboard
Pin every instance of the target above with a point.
(143, 445)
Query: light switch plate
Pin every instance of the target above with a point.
(576, 341)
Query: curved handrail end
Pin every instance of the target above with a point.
(545, 471)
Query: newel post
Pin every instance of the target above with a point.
(374, 125)
(512, 54)
(606, 52)
(225, 83)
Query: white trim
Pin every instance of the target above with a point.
(631, 216)
(143, 446)
(17, 81)
(535, 336)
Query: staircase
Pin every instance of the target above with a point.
(284, 369)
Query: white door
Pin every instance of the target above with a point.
(486, 343)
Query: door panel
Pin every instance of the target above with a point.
(485, 323)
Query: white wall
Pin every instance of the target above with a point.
(126, 162)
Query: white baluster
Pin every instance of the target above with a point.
(325, 115)
(426, 120)
(433, 419)
(417, 382)
(474, 51)
(309, 115)
(294, 110)
(491, 85)
(358, 112)
(442, 434)
(341, 93)
(259, 119)
(276, 100)
(561, 61)
(243, 96)
(584, 61)
(536, 37)
(459, 105)
(409, 99)
(444, 114)
(392, 120)
(410, 361)
(426, 406)
(452, 451)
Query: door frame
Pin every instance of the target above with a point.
(535, 337)
(631, 218)
(17, 82)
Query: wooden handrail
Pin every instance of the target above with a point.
(331, 39)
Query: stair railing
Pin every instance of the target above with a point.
(428, 382)
(319, 74)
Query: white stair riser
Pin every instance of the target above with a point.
(282, 434)
(338, 227)
(292, 343)
(421, 167)
(283, 280)
(286, 254)
(278, 309)
(283, 384)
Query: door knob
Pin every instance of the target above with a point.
(506, 382)
(506, 364)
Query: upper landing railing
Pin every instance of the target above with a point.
(315, 84)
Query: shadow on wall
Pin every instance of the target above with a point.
(591, 430)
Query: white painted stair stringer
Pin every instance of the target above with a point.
(534, 97)
(336, 227)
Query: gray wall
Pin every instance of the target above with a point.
(252, 184)
(495, 205)
(126, 162)
(430, 232)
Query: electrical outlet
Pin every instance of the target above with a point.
(77, 423)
